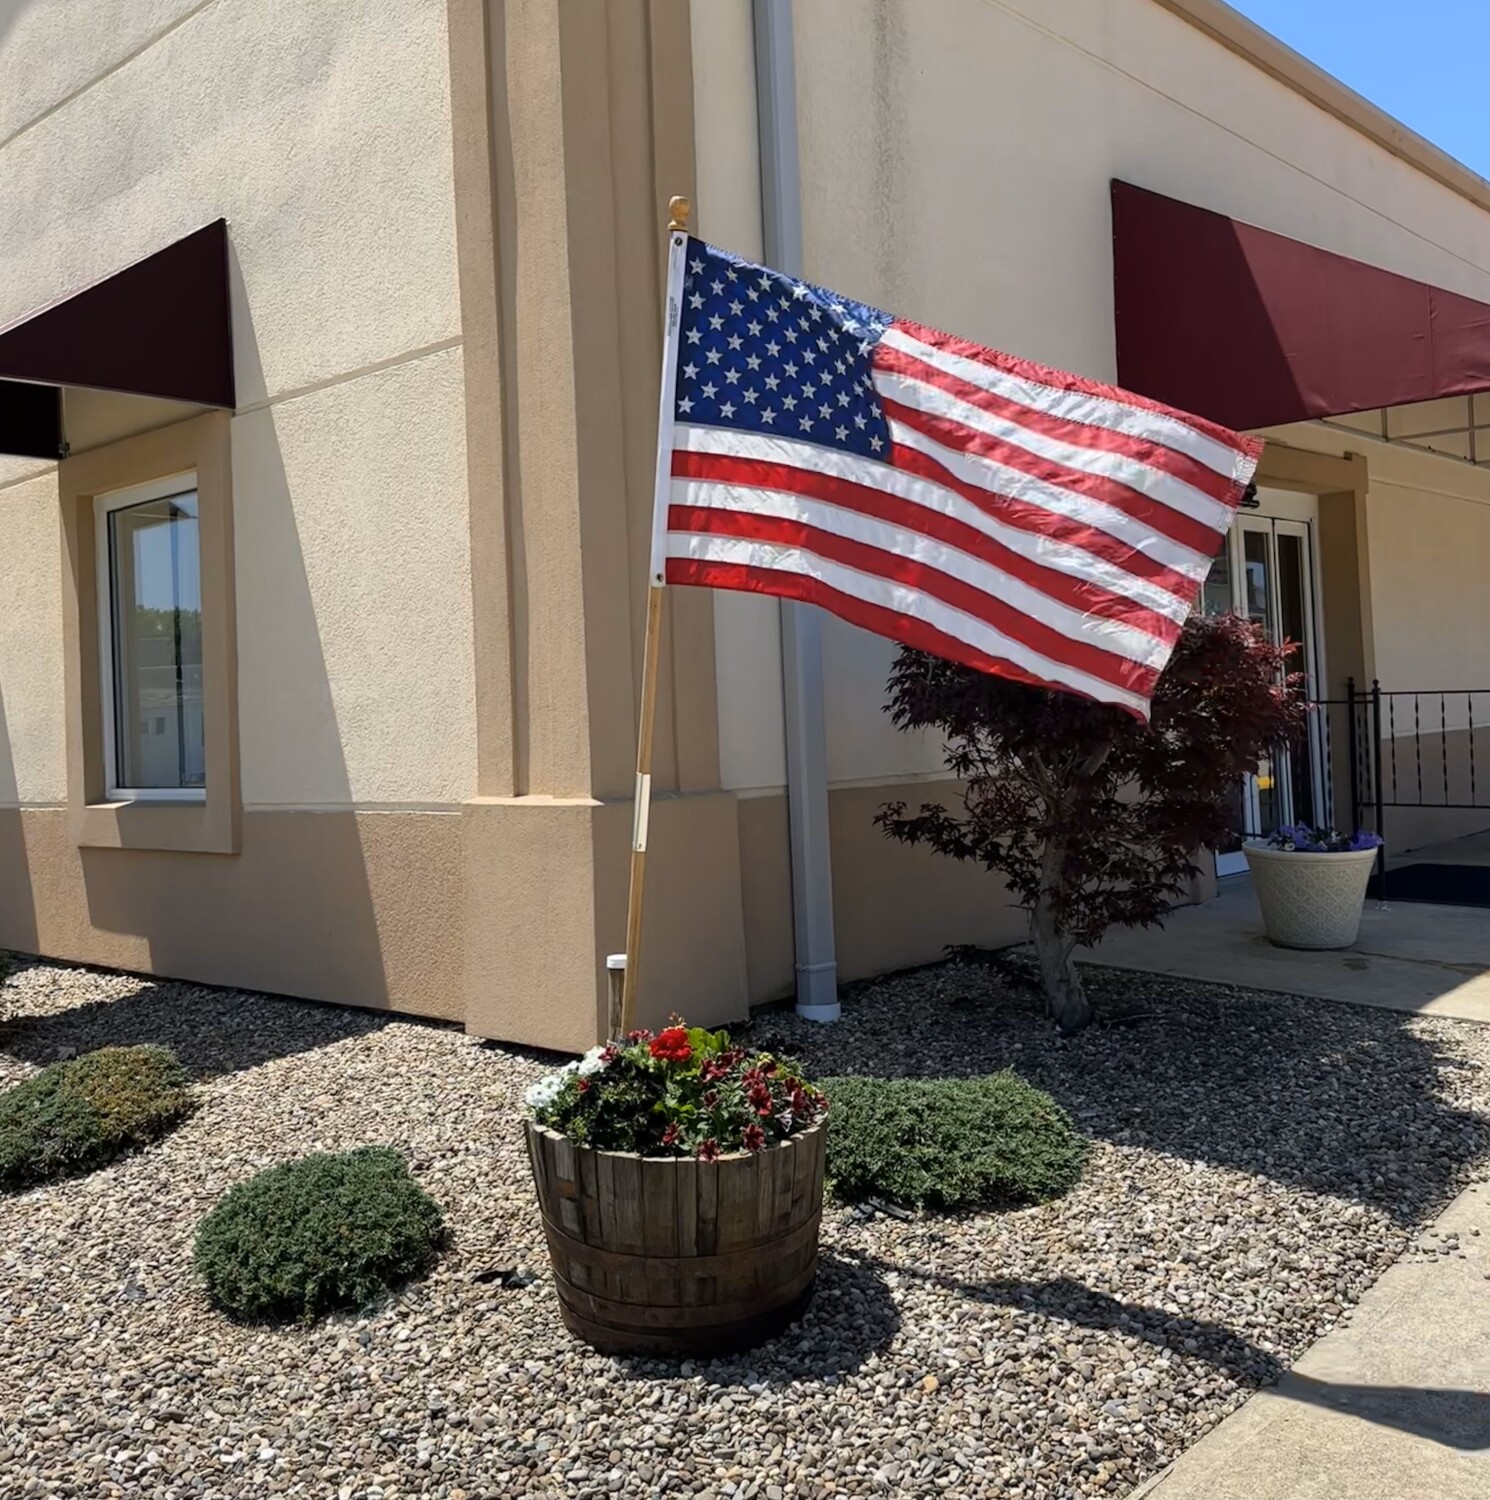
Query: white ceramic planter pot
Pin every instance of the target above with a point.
(1310, 900)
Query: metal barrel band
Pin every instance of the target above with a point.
(651, 1315)
(640, 1263)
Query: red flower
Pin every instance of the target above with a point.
(671, 1134)
(709, 1151)
(672, 1045)
(639, 1035)
(583, 1085)
(755, 1138)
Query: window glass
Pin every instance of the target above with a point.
(155, 591)
(1215, 596)
(1293, 601)
(1255, 579)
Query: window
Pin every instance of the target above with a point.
(149, 638)
(150, 641)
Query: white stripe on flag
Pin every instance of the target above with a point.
(999, 479)
(996, 478)
(872, 589)
(1169, 491)
(1076, 406)
(1100, 631)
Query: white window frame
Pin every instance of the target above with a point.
(183, 483)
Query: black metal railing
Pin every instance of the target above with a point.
(1378, 749)
(1404, 748)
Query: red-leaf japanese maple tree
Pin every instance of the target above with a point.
(1092, 817)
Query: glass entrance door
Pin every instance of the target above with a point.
(1265, 572)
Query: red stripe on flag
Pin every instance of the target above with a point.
(872, 617)
(1146, 451)
(1077, 593)
(1024, 369)
(1031, 517)
(1185, 530)
(1083, 656)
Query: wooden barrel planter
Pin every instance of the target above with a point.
(667, 1255)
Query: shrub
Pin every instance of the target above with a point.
(1091, 816)
(316, 1234)
(75, 1116)
(950, 1143)
(683, 1092)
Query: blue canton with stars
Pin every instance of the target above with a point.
(763, 352)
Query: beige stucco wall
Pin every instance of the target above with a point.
(893, 905)
(995, 222)
(435, 787)
(33, 726)
(1428, 536)
(322, 133)
(355, 676)
(1425, 528)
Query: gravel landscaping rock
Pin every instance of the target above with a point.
(1258, 1160)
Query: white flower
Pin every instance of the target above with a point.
(592, 1062)
(544, 1092)
(569, 1067)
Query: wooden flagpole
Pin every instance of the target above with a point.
(678, 209)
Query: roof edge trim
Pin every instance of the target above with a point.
(1279, 61)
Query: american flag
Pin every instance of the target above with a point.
(1014, 518)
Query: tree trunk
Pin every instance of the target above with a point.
(1064, 994)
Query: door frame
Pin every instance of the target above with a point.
(1289, 514)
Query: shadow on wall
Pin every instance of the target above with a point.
(293, 912)
(17, 905)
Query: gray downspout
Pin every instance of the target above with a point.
(801, 624)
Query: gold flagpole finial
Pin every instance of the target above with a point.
(678, 209)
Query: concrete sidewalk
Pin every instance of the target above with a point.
(1391, 1405)
(1430, 960)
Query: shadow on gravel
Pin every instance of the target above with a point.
(1456, 1418)
(13, 965)
(851, 1316)
(212, 1031)
(1339, 1099)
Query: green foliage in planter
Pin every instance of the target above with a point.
(78, 1115)
(949, 1143)
(316, 1234)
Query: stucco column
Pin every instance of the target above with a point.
(589, 131)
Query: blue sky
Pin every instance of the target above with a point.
(1420, 60)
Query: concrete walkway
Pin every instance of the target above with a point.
(1432, 960)
(1391, 1405)
(1394, 1403)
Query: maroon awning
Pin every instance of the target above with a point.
(160, 327)
(1253, 329)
